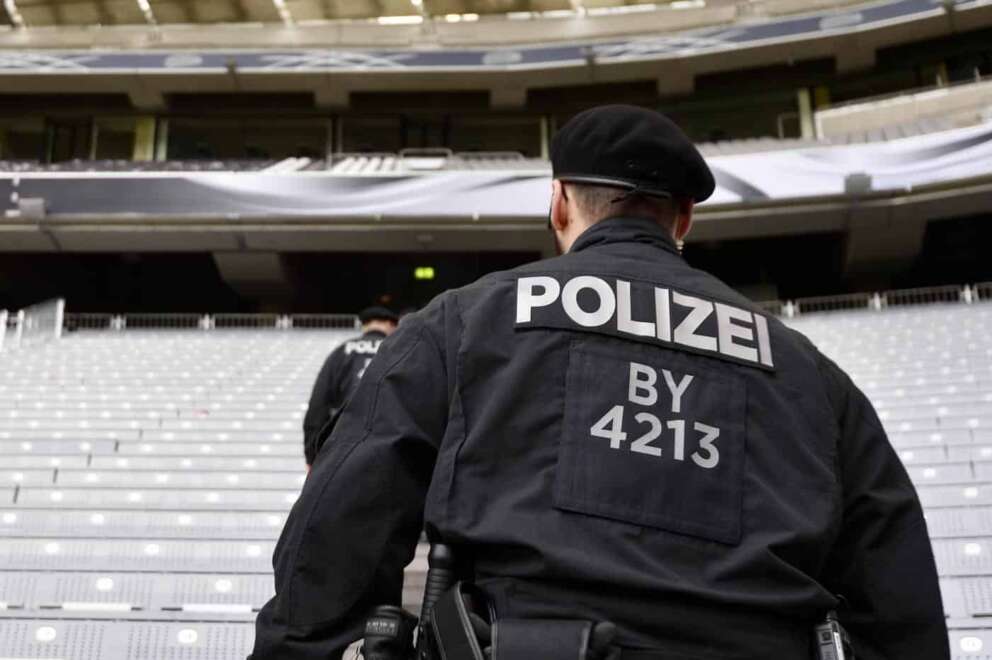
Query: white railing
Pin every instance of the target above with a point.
(119, 322)
(869, 301)
(879, 300)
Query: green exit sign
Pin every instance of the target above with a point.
(423, 273)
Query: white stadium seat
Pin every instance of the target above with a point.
(145, 475)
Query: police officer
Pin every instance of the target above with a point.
(340, 374)
(614, 435)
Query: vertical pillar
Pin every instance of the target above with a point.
(545, 137)
(942, 76)
(144, 138)
(329, 141)
(805, 103)
(162, 140)
(94, 138)
(338, 134)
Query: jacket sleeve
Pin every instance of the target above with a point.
(323, 398)
(882, 562)
(359, 517)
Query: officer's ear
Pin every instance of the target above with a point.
(683, 217)
(559, 206)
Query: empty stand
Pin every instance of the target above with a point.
(144, 479)
(145, 475)
(928, 370)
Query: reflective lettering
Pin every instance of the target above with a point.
(528, 300)
(710, 434)
(570, 301)
(678, 426)
(677, 390)
(738, 334)
(643, 444)
(624, 321)
(662, 314)
(685, 333)
(362, 347)
(764, 342)
(727, 331)
(642, 390)
(610, 426)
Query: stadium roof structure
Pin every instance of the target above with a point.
(32, 13)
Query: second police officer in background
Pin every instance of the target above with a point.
(614, 435)
(339, 375)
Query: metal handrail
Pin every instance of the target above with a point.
(328, 321)
(833, 303)
(965, 294)
(162, 321)
(246, 320)
(923, 296)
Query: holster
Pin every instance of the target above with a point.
(455, 637)
(465, 627)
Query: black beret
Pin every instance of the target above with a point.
(377, 314)
(632, 148)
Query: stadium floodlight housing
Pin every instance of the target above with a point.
(14, 13)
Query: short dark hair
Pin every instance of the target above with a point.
(600, 202)
(377, 314)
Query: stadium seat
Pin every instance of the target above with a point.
(147, 474)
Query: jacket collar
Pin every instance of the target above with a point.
(625, 230)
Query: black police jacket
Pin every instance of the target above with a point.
(337, 379)
(614, 435)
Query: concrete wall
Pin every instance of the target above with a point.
(961, 105)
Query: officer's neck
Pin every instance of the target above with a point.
(624, 229)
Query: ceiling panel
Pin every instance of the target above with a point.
(306, 10)
(124, 12)
(80, 13)
(262, 11)
(37, 12)
(549, 5)
(171, 11)
(93, 12)
(216, 11)
(354, 8)
(495, 6)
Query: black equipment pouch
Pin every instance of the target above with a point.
(527, 639)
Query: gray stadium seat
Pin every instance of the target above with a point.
(145, 475)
